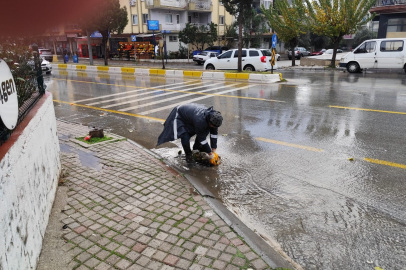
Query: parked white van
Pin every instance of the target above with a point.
(376, 53)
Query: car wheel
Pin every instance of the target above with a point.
(353, 67)
(249, 68)
(48, 72)
(210, 67)
(278, 59)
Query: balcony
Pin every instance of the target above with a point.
(178, 27)
(167, 4)
(200, 5)
(389, 6)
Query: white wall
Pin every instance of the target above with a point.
(29, 175)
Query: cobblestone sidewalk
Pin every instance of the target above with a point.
(128, 210)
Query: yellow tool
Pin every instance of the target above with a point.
(215, 160)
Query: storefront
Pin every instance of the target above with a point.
(97, 46)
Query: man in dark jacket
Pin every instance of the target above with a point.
(192, 119)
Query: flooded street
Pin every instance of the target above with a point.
(316, 164)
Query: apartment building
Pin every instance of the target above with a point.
(391, 18)
(173, 15)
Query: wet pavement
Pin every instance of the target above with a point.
(316, 164)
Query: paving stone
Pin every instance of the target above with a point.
(251, 256)
(189, 255)
(237, 242)
(80, 229)
(231, 250)
(123, 264)
(123, 250)
(103, 266)
(224, 241)
(238, 261)
(232, 267)
(148, 252)
(220, 246)
(132, 256)
(139, 247)
(171, 260)
(201, 250)
(103, 254)
(92, 263)
(159, 255)
(112, 246)
(143, 260)
(183, 264)
(244, 248)
(196, 267)
(94, 249)
(83, 257)
(113, 259)
(219, 264)
(225, 257)
(213, 253)
(205, 261)
(259, 264)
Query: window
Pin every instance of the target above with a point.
(173, 38)
(144, 18)
(221, 20)
(253, 53)
(267, 4)
(177, 19)
(267, 40)
(135, 19)
(367, 47)
(168, 18)
(226, 55)
(243, 53)
(189, 19)
(266, 52)
(391, 46)
(397, 25)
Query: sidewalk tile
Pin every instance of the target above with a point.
(171, 260)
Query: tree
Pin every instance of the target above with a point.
(288, 21)
(88, 25)
(199, 36)
(254, 25)
(109, 18)
(336, 18)
(239, 8)
(363, 34)
(230, 34)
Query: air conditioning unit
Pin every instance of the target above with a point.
(195, 15)
(132, 3)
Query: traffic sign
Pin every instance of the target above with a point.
(8, 97)
(274, 40)
(133, 38)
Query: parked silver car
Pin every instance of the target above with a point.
(299, 53)
(46, 54)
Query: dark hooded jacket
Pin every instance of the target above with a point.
(193, 119)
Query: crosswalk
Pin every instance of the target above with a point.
(148, 100)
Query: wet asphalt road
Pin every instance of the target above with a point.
(317, 163)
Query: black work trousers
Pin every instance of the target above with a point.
(185, 140)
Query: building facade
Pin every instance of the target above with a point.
(391, 17)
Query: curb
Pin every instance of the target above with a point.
(272, 256)
(187, 74)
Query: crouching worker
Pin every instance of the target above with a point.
(192, 119)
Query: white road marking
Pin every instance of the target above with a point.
(172, 98)
(142, 94)
(193, 100)
(88, 99)
(150, 97)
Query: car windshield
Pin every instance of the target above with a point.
(203, 53)
(266, 52)
(47, 51)
(329, 51)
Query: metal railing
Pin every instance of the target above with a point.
(382, 3)
(167, 3)
(28, 94)
(201, 4)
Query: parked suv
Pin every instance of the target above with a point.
(299, 52)
(252, 59)
(203, 56)
(46, 54)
